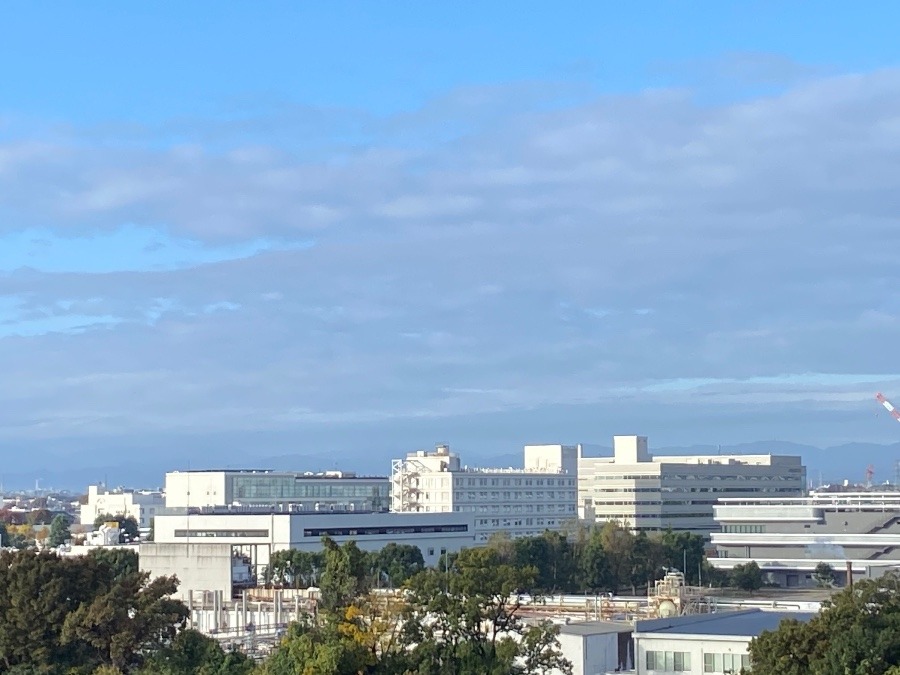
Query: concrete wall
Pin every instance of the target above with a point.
(197, 566)
(196, 488)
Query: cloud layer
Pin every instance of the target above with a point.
(728, 260)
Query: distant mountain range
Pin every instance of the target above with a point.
(824, 465)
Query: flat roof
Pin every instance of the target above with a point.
(744, 623)
(318, 475)
(595, 628)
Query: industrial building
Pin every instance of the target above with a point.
(703, 643)
(520, 502)
(141, 505)
(308, 491)
(653, 493)
(220, 548)
(788, 537)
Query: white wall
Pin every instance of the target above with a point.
(198, 566)
(589, 654)
(196, 488)
(695, 645)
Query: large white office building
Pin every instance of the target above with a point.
(788, 538)
(520, 502)
(141, 505)
(653, 493)
(328, 491)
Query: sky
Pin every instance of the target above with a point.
(338, 232)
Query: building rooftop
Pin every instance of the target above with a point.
(329, 475)
(744, 623)
(595, 628)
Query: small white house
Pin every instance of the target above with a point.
(702, 643)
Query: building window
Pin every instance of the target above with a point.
(725, 663)
(672, 662)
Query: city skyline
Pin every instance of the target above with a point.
(350, 234)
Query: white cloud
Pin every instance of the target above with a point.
(591, 255)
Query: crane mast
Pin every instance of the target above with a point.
(888, 406)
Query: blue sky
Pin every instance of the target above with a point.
(351, 229)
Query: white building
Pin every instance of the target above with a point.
(141, 505)
(702, 643)
(254, 534)
(653, 493)
(788, 538)
(307, 491)
(520, 502)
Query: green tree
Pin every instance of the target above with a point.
(192, 653)
(311, 648)
(398, 562)
(595, 570)
(118, 562)
(646, 561)
(469, 621)
(553, 556)
(747, 577)
(824, 575)
(854, 634)
(683, 551)
(344, 577)
(618, 544)
(293, 568)
(59, 531)
(59, 614)
(4, 535)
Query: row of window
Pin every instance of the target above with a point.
(278, 487)
(518, 522)
(516, 508)
(744, 529)
(725, 663)
(397, 529)
(507, 495)
(538, 482)
(672, 662)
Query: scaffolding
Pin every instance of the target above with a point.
(405, 477)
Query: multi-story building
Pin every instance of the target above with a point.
(857, 532)
(331, 490)
(520, 502)
(650, 493)
(141, 505)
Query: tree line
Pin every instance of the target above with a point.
(856, 633)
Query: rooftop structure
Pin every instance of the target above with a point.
(308, 491)
(653, 493)
(520, 502)
(789, 537)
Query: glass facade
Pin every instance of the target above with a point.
(364, 493)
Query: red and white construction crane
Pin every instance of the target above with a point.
(888, 406)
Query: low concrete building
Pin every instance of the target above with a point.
(702, 643)
(252, 535)
(788, 537)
